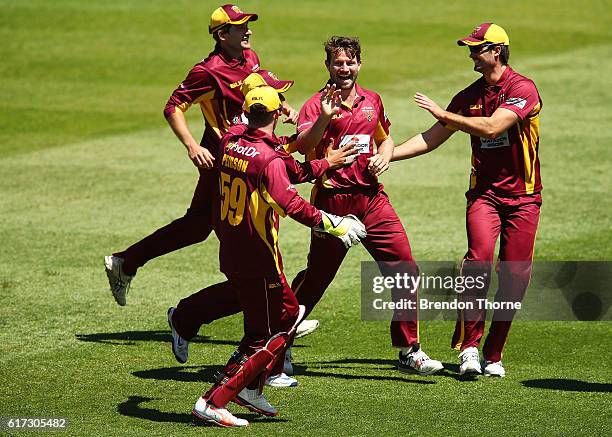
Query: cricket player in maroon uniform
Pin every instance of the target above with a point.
(213, 303)
(254, 190)
(214, 85)
(500, 111)
(355, 189)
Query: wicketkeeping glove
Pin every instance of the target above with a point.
(348, 228)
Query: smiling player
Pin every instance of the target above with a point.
(355, 189)
(501, 112)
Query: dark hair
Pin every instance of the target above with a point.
(349, 45)
(215, 35)
(259, 115)
(504, 54)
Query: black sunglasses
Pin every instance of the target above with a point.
(482, 48)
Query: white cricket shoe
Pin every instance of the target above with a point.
(418, 361)
(255, 401)
(306, 327)
(494, 368)
(469, 362)
(180, 346)
(217, 416)
(288, 364)
(119, 282)
(281, 381)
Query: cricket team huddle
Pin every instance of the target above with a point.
(247, 178)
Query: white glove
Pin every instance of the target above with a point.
(348, 229)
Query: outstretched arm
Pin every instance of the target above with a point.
(486, 127)
(422, 143)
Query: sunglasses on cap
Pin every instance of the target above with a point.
(482, 48)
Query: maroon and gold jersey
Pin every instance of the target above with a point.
(254, 190)
(298, 172)
(214, 84)
(507, 165)
(364, 122)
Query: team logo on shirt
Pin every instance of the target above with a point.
(368, 112)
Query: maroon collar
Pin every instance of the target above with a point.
(258, 134)
(230, 61)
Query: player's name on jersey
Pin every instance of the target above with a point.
(454, 304)
(234, 163)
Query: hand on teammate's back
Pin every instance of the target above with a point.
(340, 157)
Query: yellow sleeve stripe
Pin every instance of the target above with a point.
(291, 147)
(266, 197)
(380, 135)
(259, 211)
(183, 107)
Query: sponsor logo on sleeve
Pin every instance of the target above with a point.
(516, 101)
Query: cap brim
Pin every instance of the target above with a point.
(282, 85)
(244, 18)
(469, 41)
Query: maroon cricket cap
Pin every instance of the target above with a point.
(228, 14)
(263, 78)
(485, 33)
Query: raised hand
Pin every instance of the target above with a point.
(291, 115)
(426, 103)
(330, 100)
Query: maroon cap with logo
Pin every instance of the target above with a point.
(485, 33)
(228, 14)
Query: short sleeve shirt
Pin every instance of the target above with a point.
(509, 164)
(365, 121)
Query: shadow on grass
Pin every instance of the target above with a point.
(180, 373)
(201, 374)
(132, 408)
(568, 385)
(357, 363)
(131, 337)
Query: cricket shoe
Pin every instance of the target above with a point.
(206, 412)
(255, 401)
(119, 282)
(469, 362)
(417, 361)
(306, 327)
(494, 368)
(180, 346)
(288, 364)
(281, 380)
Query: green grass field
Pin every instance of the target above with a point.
(89, 166)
